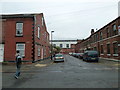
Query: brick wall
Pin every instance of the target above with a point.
(11, 39)
(93, 42)
(43, 41)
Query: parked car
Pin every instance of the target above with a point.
(77, 55)
(59, 58)
(73, 54)
(70, 53)
(80, 55)
(91, 56)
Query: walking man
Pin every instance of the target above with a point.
(18, 64)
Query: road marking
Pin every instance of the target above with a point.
(55, 71)
(41, 65)
(100, 68)
(117, 64)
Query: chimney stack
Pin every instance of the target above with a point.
(92, 31)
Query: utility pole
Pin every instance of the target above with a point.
(51, 46)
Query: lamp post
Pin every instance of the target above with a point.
(51, 45)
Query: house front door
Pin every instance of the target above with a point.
(1, 52)
(42, 53)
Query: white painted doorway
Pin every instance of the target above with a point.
(1, 52)
(42, 53)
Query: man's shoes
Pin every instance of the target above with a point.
(18, 74)
(16, 77)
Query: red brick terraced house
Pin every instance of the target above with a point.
(105, 40)
(26, 33)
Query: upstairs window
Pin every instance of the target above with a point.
(42, 21)
(96, 37)
(108, 32)
(54, 45)
(101, 36)
(67, 45)
(95, 48)
(114, 30)
(38, 32)
(19, 29)
(61, 45)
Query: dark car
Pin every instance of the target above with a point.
(59, 58)
(91, 56)
(80, 55)
(73, 54)
(77, 55)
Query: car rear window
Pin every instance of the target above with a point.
(59, 55)
(93, 53)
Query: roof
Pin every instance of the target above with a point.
(101, 28)
(19, 15)
(63, 40)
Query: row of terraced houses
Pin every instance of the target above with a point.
(26, 33)
(105, 40)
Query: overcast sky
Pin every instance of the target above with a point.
(70, 19)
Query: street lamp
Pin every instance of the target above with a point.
(51, 45)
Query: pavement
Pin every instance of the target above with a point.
(12, 67)
(109, 59)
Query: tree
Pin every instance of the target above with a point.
(56, 49)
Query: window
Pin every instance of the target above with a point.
(95, 48)
(108, 32)
(101, 49)
(67, 45)
(101, 36)
(115, 48)
(114, 30)
(108, 48)
(96, 37)
(21, 48)
(61, 45)
(19, 29)
(47, 37)
(38, 51)
(44, 51)
(42, 21)
(54, 45)
(92, 39)
(38, 32)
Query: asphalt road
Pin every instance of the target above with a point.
(73, 73)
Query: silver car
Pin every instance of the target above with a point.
(59, 58)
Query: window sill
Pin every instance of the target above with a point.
(38, 38)
(108, 54)
(115, 54)
(19, 36)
